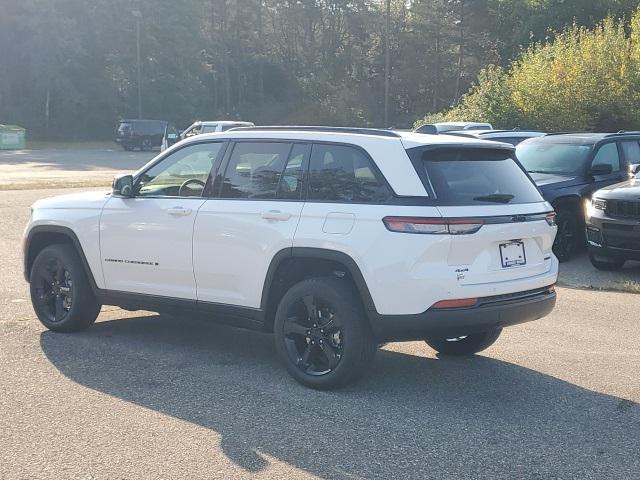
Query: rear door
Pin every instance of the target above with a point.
(487, 187)
(254, 216)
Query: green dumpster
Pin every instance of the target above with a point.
(12, 137)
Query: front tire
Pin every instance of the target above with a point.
(606, 264)
(61, 294)
(465, 344)
(322, 334)
(570, 236)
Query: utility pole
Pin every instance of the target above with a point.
(138, 15)
(387, 64)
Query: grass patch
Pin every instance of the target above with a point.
(48, 184)
(95, 145)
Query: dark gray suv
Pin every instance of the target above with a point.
(613, 223)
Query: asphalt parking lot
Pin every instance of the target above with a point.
(36, 168)
(146, 396)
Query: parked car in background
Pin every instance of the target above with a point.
(568, 168)
(142, 134)
(613, 223)
(514, 137)
(198, 128)
(442, 127)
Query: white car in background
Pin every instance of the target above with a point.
(198, 128)
(442, 127)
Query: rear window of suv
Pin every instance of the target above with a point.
(477, 176)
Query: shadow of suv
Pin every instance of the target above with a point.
(568, 168)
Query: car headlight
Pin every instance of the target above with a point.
(599, 203)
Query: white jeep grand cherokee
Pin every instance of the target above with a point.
(335, 239)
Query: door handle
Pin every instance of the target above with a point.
(276, 215)
(178, 211)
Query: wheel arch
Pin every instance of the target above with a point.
(39, 237)
(291, 265)
(570, 203)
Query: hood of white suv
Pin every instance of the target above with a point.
(83, 200)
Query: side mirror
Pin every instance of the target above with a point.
(122, 185)
(600, 169)
(172, 136)
(634, 170)
(430, 129)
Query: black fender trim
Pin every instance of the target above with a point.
(66, 231)
(321, 254)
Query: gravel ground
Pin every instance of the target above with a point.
(148, 397)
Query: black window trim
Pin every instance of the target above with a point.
(167, 153)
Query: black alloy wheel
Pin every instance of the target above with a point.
(569, 238)
(313, 336)
(146, 145)
(322, 333)
(61, 293)
(53, 290)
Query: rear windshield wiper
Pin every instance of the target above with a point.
(495, 197)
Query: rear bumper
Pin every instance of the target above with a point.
(491, 312)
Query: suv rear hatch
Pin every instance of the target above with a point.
(501, 228)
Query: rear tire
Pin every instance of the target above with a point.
(61, 294)
(322, 334)
(464, 345)
(606, 264)
(570, 236)
(146, 145)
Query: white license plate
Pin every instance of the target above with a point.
(512, 254)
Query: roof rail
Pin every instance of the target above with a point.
(297, 128)
(623, 132)
(567, 133)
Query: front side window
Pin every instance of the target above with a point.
(340, 173)
(181, 174)
(478, 176)
(254, 170)
(553, 158)
(608, 155)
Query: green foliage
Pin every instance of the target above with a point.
(68, 67)
(585, 79)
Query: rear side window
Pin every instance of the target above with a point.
(631, 150)
(478, 176)
(340, 173)
(254, 170)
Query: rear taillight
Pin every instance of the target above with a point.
(434, 226)
(551, 219)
